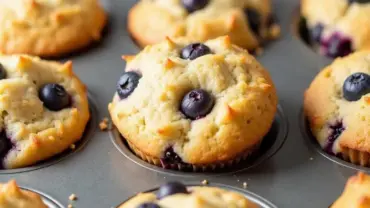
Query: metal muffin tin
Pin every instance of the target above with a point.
(298, 175)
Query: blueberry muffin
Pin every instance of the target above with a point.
(44, 109)
(176, 195)
(356, 193)
(247, 22)
(194, 105)
(11, 196)
(49, 28)
(338, 27)
(337, 105)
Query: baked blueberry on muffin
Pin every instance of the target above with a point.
(356, 193)
(337, 105)
(185, 105)
(176, 195)
(49, 28)
(44, 109)
(248, 22)
(339, 27)
(11, 196)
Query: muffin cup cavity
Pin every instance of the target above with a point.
(349, 158)
(79, 145)
(260, 201)
(48, 200)
(252, 157)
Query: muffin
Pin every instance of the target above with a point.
(356, 193)
(248, 22)
(176, 195)
(11, 196)
(337, 105)
(185, 105)
(338, 27)
(49, 28)
(44, 109)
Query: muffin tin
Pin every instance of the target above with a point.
(298, 174)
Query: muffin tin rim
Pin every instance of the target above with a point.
(47, 199)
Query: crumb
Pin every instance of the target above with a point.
(249, 179)
(205, 182)
(238, 180)
(73, 146)
(104, 124)
(73, 197)
(311, 158)
(245, 185)
(275, 31)
(70, 206)
(259, 51)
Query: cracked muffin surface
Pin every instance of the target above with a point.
(11, 196)
(248, 22)
(356, 193)
(199, 104)
(49, 28)
(337, 105)
(44, 109)
(339, 27)
(194, 197)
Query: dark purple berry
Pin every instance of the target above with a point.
(5, 145)
(335, 131)
(171, 188)
(359, 1)
(338, 46)
(127, 84)
(316, 32)
(148, 205)
(254, 20)
(2, 72)
(171, 157)
(303, 30)
(194, 5)
(54, 97)
(197, 104)
(194, 51)
(355, 86)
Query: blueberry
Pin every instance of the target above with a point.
(303, 30)
(194, 51)
(5, 145)
(197, 104)
(338, 46)
(54, 97)
(170, 156)
(127, 84)
(316, 32)
(148, 205)
(194, 5)
(171, 188)
(2, 72)
(355, 86)
(335, 131)
(254, 19)
(359, 1)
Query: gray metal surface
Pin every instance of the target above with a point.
(102, 177)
